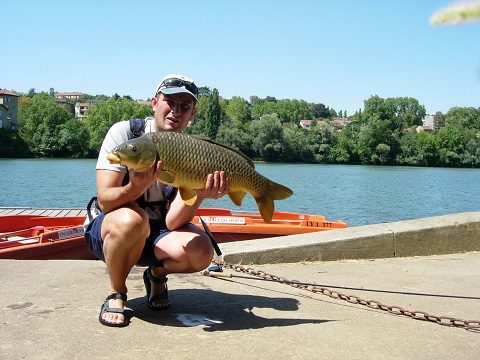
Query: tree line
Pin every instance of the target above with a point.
(383, 133)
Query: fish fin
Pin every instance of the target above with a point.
(207, 139)
(265, 202)
(189, 196)
(266, 207)
(237, 197)
(166, 177)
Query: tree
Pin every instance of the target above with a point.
(320, 139)
(204, 91)
(418, 149)
(268, 141)
(374, 139)
(238, 111)
(320, 111)
(463, 117)
(41, 120)
(407, 111)
(73, 139)
(101, 116)
(297, 148)
(341, 150)
(288, 111)
(213, 115)
(237, 138)
(438, 121)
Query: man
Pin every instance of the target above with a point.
(138, 224)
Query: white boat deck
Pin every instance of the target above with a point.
(63, 212)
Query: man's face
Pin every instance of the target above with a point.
(173, 112)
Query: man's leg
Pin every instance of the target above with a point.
(123, 232)
(185, 250)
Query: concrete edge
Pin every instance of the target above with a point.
(420, 237)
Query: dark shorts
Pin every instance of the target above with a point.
(95, 243)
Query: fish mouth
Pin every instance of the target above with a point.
(113, 158)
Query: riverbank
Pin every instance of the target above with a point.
(50, 311)
(50, 308)
(420, 237)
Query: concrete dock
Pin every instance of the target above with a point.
(49, 309)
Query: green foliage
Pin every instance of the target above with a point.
(74, 139)
(269, 141)
(238, 111)
(12, 145)
(418, 149)
(101, 116)
(467, 118)
(213, 115)
(384, 133)
(288, 111)
(297, 148)
(236, 138)
(41, 120)
(321, 138)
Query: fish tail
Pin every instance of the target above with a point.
(265, 202)
(278, 191)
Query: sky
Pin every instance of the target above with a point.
(339, 53)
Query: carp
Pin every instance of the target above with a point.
(188, 159)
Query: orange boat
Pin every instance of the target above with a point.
(33, 237)
(228, 226)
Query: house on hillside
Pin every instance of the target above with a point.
(307, 124)
(427, 124)
(337, 123)
(8, 109)
(73, 96)
(81, 109)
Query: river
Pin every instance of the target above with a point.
(358, 195)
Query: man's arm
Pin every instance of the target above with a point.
(179, 214)
(111, 194)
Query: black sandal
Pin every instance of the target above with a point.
(107, 309)
(147, 278)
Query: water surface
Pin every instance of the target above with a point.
(359, 195)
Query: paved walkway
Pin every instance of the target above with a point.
(49, 310)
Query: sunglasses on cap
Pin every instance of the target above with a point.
(174, 82)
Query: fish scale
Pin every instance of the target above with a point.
(203, 160)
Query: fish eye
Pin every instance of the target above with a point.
(132, 147)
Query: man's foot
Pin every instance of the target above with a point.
(112, 311)
(157, 291)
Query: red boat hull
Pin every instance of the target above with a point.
(31, 237)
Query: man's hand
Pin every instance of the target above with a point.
(216, 186)
(143, 180)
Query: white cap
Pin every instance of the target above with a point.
(176, 83)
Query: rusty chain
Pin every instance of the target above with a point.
(471, 325)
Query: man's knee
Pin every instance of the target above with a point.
(126, 223)
(201, 252)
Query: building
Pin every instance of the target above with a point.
(81, 109)
(428, 121)
(306, 124)
(427, 124)
(337, 123)
(69, 95)
(8, 109)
